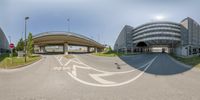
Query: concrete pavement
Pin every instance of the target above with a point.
(89, 77)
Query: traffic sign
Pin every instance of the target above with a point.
(11, 46)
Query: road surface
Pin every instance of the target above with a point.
(87, 77)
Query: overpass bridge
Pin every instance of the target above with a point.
(59, 42)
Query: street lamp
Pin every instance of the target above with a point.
(26, 18)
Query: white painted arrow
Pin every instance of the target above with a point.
(114, 84)
(98, 77)
(74, 69)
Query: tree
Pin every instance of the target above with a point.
(108, 49)
(20, 45)
(30, 44)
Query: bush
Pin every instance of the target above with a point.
(108, 50)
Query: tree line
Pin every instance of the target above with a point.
(21, 44)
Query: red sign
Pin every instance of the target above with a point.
(11, 46)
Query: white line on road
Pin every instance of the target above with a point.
(98, 78)
(76, 60)
(109, 83)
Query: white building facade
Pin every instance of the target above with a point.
(180, 38)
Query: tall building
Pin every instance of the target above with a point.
(181, 38)
(190, 37)
(124, 41)
(3, 42)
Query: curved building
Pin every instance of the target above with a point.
(3, 42)
(157, 34)
(161, 37)
(58, 42)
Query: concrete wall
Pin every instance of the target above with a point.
(181, 50)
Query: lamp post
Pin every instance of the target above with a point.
(26, 18)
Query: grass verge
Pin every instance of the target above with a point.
(112, 54)
(69, 56)
(192, 61)
(7, 62)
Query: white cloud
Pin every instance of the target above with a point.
(90, 16)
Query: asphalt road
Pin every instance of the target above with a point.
(87, 77)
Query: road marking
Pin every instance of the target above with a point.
(74, 69)
(59, 58)
(116, 84)
(76, 60)
(98, 77)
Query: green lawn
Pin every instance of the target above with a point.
(192, 61)
(69, 56)
(111, 54)
(15, 62)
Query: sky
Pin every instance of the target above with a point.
(101, 20)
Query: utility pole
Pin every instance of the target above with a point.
(68, 22)
(98, 37)
(26, 18)
(9, 38)
(22, 35)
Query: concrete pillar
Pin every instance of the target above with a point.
(88, 49)
(101, 50)
(126, 50)
(42, 49)
(95, 49)
(65, 48)
(131, 50)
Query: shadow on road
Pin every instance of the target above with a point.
(163, 65)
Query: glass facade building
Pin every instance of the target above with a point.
(3, 42)
(157, 33)
(181, 38)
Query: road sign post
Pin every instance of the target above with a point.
(11, 47)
